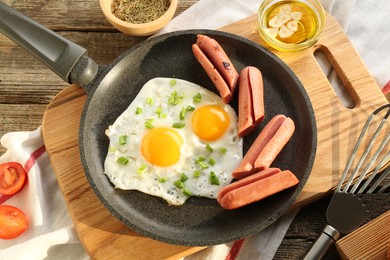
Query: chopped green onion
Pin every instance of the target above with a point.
(112, 149)
(196, 174)
(223, 150)
(138, 111)
(123, 139)
(183, 177)
(178, 125)
(122, 160)
(211, 161)
(142, 168)
(182, 113)
(175, 98)
(214, 179)
(190, 108)
(163, 115)
(209, 148)
(158, 112)
(200, 159)
(149, 101)
(148, 123)
(203, 165)
(172, 82)
(179, 184)
(163, 179)
(187, 192)
(197, 98)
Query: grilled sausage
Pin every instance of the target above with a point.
(246, 166)
(218, 57)
(250, 100)
(213, 74)
(245, 106)
(248, 193)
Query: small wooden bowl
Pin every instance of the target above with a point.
(133, 29)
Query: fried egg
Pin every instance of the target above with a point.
(175, 140)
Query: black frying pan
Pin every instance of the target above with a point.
(111, 89)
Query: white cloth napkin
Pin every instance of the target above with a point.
(51, 234)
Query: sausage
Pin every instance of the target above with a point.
(246, 167)
(275, 145)
(215, 53)
(213, 74)
(256, 83)
(257, 190)
(245, 181)
(250, 100)
(245, 106)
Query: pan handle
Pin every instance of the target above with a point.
(56, 52)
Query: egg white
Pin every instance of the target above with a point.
(139, 174)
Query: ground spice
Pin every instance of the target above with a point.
(139, 11)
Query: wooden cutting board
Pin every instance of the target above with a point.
(371, 241)
(104, 237)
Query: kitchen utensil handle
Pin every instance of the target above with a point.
(56, 52)
(322, 244)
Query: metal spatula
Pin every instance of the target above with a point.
(349, 206)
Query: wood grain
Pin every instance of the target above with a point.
(96, 226)
(371, 241)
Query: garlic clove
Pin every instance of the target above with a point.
(284, 17)
(273, 32)
(292, 25)
(275, 22)
(296, 16)
(284, 32)
(285, 9)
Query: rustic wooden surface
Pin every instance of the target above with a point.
(27, 86)
(371, 241)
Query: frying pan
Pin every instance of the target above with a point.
(110, 90)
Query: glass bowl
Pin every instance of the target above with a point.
(291, 25)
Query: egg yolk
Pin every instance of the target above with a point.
(161, 146)
(210, 122)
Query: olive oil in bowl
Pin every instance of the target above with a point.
(290, 25)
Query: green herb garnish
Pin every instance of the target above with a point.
(123, 139)
(148, 123)
(179, 184)
(209, 148)
(175, 98)
(182, 113)
(196, 174)
(163, 179)
(172, 82)
(149, 101)
(142, 168)
(183, 177)
(138, 111)
(190, 108)
(187, 192)
(122, 160)
(222, 150)
(214, 179)
(178, 125)
(197, 98)
(211, 161)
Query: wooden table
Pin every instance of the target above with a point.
(27, 86)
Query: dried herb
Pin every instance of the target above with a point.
(139, 11)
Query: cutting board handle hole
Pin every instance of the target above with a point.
(336, 77)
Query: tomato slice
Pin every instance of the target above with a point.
(12, 178)
(13, 222)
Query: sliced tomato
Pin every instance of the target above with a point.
(13, 222)
(12, 178)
